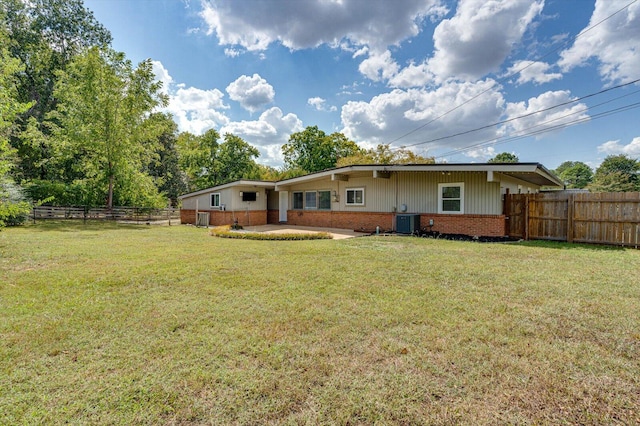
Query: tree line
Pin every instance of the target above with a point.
(80, 125)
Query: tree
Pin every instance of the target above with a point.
(13, 207)
(164, 165)
(210, 163)
(617, 173)
(312, 150)
(504, 157)
(101, 121)
(575, 174)
(44, 35)
(384, 154)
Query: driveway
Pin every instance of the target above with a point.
(336, 233)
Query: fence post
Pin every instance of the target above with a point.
(570, 210)
(525, 234)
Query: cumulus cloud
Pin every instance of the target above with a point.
(480, 36)
(195, 110)
(538, 115)
(252, 93)
(388, 116)
(268, 133)
(310, 23)
(530, 71)
(613, 43)
(321, 104)
(632, 149)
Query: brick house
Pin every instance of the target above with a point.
(448, 198)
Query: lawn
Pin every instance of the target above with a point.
(109, 324)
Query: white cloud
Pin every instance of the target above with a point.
(632, 149)
(548, 118)
(480, 36)
(412, 76)
(310, 23)
(195, 110)
(614, 42)
(232, 53)
(252, 93)
(391, 115)
(537, 72)
(379, 66)
(268, 133)
(321, 104)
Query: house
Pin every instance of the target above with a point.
(447, 198)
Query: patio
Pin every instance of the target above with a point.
(336, 233)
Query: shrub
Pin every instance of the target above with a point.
(228, 232)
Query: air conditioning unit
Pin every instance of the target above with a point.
(202, 219)
(407, 223)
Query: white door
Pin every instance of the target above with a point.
(284, 205)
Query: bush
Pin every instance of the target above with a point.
(14, 209)
(228, 232)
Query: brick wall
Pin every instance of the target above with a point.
(217, 217)
(358, 221)
(273, 216)
(468, 224)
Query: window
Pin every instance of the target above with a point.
(310, 200)
(298, 200)
(215, 200)
(355, 197)
(451, 198)
(249, 196)
(324, 200)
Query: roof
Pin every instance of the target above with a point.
(243, 182)
(534, 173)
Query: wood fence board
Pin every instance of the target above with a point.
(602, 218)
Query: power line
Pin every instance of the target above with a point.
(507, 76)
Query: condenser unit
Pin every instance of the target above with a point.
(407, 223)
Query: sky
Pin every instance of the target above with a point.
(547, 80)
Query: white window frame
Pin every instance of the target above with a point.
(315, 197)
(293, 200)
(213, 205)
(346, 197)
(441, 186)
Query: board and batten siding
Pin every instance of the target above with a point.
(230, 197)
(417, 190)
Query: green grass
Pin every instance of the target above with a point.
(108, 324)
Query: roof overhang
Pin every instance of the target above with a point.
(533, 173)
(237, 183)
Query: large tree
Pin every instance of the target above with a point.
(617, 173)
(384, 154)
(575, 174)
(12, 205)
(208, 162)
(104, 103)
(504, 157)
(45, 35)
(313, 150)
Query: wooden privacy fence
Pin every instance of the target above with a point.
(598, 218)
(129, 214)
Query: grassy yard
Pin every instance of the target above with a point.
(108, 324)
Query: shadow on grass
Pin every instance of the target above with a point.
(79, 225)
(560, 245)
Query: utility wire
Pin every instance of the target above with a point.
(507, 76)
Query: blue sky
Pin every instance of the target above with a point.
(430, 75)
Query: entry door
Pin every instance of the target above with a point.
(284, 205)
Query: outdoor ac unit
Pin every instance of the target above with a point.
(407, 223)
(202, 219)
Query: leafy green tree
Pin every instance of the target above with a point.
(44, 35)
(575, 174)
(13, 207)
(504, 157)
(101, 121)
(164, 165)
(209, 163)
(617, 173)
(312, 150)
(384, 154)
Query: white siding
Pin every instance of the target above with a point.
(230, 197)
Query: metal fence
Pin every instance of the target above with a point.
(122, 214)
(598, 218)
